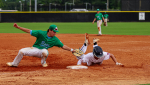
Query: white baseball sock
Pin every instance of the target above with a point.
(100, 31)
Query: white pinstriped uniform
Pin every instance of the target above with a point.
(89, 58)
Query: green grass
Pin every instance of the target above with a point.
(113, 28)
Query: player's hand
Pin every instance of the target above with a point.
(15, 25)
(118, 63)
(92, 22)
(73, 51)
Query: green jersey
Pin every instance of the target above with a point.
(99, 16)
(43, 41)
(106, 16)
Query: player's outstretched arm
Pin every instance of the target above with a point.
(114, 59)
(21, 28)
(65, 47)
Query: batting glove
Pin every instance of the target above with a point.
(118, 63)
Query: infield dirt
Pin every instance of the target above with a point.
(132, 51)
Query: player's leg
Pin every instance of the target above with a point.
(44, 57)
(18, 58)
(99, 26)
(29, 51)
(84, 46)
(95, 40)
(86, 43)
(106, 21)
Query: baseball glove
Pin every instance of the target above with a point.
(77, 52)
(104, 23)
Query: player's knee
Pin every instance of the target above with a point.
(44, 52)
(21, 51)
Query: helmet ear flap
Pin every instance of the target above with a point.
(94, 52)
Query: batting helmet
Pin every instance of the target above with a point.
(97, 51)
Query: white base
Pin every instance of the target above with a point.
(77, 67)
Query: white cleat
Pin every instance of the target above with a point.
(44, 65)
(10, 64)
(95, 40)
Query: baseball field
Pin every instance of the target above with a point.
(128, 41)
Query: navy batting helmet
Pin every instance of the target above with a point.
(97, 51)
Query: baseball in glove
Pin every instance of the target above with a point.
(77, 52)
(104, 23)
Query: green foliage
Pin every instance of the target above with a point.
(115, 4)
(14, 4)
(2, 4)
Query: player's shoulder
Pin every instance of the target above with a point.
(55, 38)
(42, 32)
(39, 31)
(90, 54)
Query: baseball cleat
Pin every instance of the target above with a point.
(87, 41)
(99, 34)
(10, 64)
(44, 65)
(95, 40)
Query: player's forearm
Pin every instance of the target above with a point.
(24, 29)
(103, 19)
(67, 48)
(94, 20)
(113, 58)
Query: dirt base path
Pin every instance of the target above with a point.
(132, 51)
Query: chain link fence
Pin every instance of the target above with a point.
(25, 6)
(135, 5)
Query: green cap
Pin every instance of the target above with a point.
(54, 28)
(98, 10)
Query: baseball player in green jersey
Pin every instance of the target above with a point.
(44, 40)
(99, 16)
(106, 17)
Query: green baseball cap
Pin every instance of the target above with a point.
(98, 10)
(54, 28)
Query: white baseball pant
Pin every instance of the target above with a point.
(106, 21)
(31, 51)
(99, 23)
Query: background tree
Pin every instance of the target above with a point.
(14, 4)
